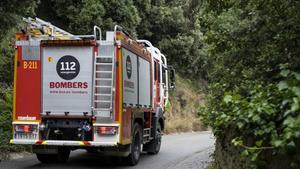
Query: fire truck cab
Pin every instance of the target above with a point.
(82, 92)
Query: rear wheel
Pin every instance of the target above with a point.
(46, 158)
(135, 148)
(61, 157)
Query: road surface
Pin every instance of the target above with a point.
(178, 151)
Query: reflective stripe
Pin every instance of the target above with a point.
(39, 142)
(87, 143)
(62, 142)
(26, 122)
(120, 94)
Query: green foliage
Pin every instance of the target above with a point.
(250, 39)
(166, 24)
(79, 17)
(269, 114)
(5, 100)
(252, 63)
(6, 61)
(11, 12)
(5, 123)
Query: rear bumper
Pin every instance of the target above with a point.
(64, 143)
(99, 140)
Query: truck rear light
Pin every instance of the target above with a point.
(26, 131)
(105, 130)
(26, 128)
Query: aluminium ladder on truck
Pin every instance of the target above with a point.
(42, 30)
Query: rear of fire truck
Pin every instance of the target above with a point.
(68, 94)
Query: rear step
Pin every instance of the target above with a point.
(147, 135)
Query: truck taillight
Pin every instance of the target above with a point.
(27, 128)
(25, 131)
(105, 130)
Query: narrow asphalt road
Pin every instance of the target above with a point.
(178, 151)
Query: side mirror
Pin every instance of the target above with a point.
(171, 77)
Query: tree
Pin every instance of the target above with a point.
(79, 17)
(11, 12)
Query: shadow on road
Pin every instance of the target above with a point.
(86, 160)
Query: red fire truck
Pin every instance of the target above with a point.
(81, 92)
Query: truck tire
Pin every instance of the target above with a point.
(135, 148)
(153, 147)
(46, 158)
(61, 157)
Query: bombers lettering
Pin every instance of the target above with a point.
(81, 85)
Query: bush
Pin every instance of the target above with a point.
(6, 124)
(265, 119)
(252, 63)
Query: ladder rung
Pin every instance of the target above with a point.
(109, 64)
(101, 71)
(99, 94)
(104, 86)
(101, 109)
(103, 79)
(102, 101)
(104, 57)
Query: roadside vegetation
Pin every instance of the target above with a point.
(238, 59)
(253, 97)
(185, 101)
